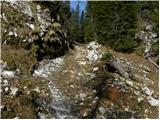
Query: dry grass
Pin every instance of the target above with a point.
(17, 58)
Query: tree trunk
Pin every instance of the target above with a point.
(115, 65)
(150, 60)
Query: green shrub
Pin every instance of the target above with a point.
(33, 51)
(107, 57)
(155, 49)
(140, 50)
(36, 30)
(125, 45)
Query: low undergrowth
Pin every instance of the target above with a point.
(17, 58)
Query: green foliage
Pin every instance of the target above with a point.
(125, 45)
(33, 50)
(74, 28)
(112, 23)
(11, 39)
(81, 27)
(140, 50)
(77, 25)
(65, 10)
(66, 16)
(107, 57)
(89, 31)
(155, 49)
(37, 30)
(150, 10)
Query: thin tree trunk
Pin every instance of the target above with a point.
(150, 60)
(114, 64)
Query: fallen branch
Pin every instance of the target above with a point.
(150, 60)
(129, 79)
(115, 65)
(77, 43)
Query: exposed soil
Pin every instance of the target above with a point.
(78, 85)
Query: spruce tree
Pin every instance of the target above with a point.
(75, 33)
(81, 27)
(112, 23)
(89, 31)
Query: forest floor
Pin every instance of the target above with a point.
(76, 78)
(79, 87)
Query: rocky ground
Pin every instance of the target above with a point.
(78, 85)
(31, 25)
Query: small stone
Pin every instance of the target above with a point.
(24, 87)
(94, 91)
(101, 110)
(82, 95)
(37, 89)
(71, 86)
(38, 7)
(146, 79)
(129, 82)
(93, 101)
(148, 91)
(95, 69)
(80, 74)
(82, 63)
(153, 101)
(1, 91)
(1, 107)
(96, 98)
(85, 114)
(6, 89)
(90, 104)
(126, 109)
(28, 92)
(31, 26)
(76, 96)
(14, 90)
(5, 81)
(149, 28)
(15, 34)
(146, 111)
(81, 103)
(140, 99)
(11, 33)
(145, 72)
(82, 99)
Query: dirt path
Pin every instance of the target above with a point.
(76, 86)
(69, 75)
(70, 86)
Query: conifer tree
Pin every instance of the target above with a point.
(89, 32)
(112, 23)
(81, 27)
(75, 33)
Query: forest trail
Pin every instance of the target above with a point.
(76, 86)
(47, 71)
(68, 76)
(73, 95)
